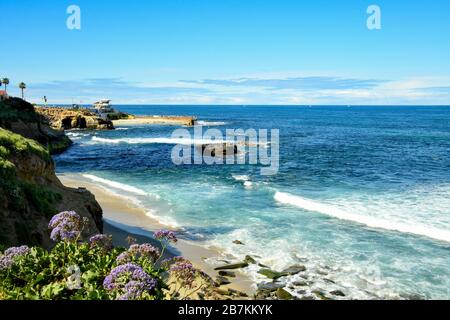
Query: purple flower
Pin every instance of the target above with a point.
(136, 252)
(184, 272)
(66, 225)
(101, 241)
(167, 235)
(129, 282)
(11, 255)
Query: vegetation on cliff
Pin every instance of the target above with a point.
(30, 192)
(20, 117)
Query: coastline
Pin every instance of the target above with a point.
(166, 120)
(122, 218)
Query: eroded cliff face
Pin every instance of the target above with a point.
(30, 192)
(64, 119)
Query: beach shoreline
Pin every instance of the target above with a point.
(123, 218)
(166, 120)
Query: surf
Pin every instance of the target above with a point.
(333, 211)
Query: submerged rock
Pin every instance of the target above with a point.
(338, 293)
(233, 266)
(272, 274)
(269, 286)
(301, 283)
(321, 295)
(294, 269)
(237, 293)
(283, 294)
(249, 260)
(225, 273)
(221, 281)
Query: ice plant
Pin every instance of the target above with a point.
(101, 241)
(129, 282)
(66, 225)
(11, 255)
(136, 252)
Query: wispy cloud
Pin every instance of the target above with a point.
(247, 90)
(297, 83)
(88, 90)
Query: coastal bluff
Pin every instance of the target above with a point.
(30, 192)
(65, 119)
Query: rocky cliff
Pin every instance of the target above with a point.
(20, 117)
(64, 119)
(30, 192)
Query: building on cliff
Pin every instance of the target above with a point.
(3, 95)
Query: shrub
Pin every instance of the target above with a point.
(93, 270)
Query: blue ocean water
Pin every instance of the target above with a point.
(362, 197)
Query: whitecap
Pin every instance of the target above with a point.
(372, 222)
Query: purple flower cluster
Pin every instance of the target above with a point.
(167, 235)
(130, 281)
(10, 256)
(66, 225)
(101, 241)
(136, 251)
(184, 272)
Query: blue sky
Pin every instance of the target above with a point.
(228, 52)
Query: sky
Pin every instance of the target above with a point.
(247, 52)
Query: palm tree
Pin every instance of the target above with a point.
(5, 81)
(22, 87)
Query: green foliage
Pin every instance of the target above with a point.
(16, 144)
(46, 275)
(16, 109)
(41, 198)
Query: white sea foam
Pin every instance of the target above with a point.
(210, 123)
(241, 177)
(161, 140)
(116, 185)
(372, 222)
(165, 221)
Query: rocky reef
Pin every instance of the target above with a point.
(65, 119)
(30, 192)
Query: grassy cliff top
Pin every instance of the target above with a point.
(14, 144)
(15, 109)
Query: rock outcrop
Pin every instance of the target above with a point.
(30, 192)
(65, 119)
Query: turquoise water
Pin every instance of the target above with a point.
(362, 194)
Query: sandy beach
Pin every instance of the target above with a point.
(122, 218)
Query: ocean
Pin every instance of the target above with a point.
(362, 196)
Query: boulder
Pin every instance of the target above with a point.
(221, 281)
(338, 293)
(249, 260)
(272, 274)
(283, 294)
(225, 273)
(270, 286)
(232, 266)
(294, 269)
